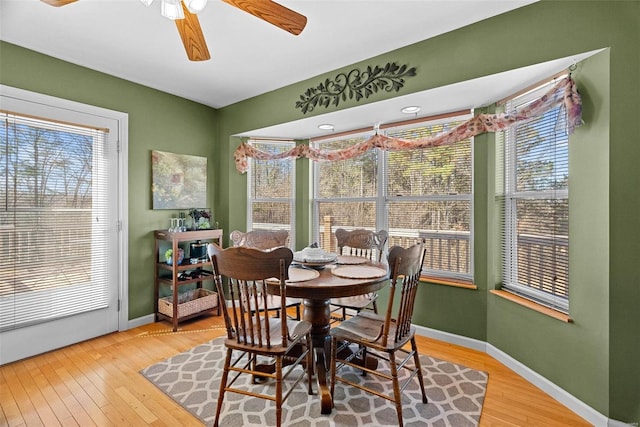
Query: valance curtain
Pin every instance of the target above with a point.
(564, 94)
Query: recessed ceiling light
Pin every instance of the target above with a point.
(411, 110)
(326, 126)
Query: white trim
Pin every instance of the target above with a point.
(452, 338)
(150, 318)
(553, 390)
(141, 321)
(567, 399)
(40, 105)
(614, 423)
(123, 215)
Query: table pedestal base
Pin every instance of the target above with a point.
(318, 313)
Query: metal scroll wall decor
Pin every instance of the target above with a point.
(355, 84)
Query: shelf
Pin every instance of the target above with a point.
(195, 302)
(184, 266)
(168, 280)
(168, 275)
(191, 316)
(182, 236)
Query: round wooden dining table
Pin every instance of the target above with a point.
(316, 295)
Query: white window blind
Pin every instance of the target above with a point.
(423, 193)
(272, 189)
(535, 206)
(429, 195)
(54, 215)
(345, 192)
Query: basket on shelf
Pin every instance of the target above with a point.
(189, 302)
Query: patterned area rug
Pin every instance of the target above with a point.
(192, 378)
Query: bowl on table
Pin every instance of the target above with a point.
(314, 257)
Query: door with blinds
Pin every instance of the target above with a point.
(59, 277)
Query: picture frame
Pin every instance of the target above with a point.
(179, 181)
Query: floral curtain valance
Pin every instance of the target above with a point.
(564, 94)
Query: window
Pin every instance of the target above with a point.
(429, 195)
(535, 208)
(346, 192)
(52, 212)
(60, 207)
(271, 189)
(424, 193)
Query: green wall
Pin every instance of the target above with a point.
(157, 121)
(527, 336)
(594, 358)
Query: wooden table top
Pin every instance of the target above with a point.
(327, 285)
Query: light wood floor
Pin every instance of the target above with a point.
(96, 383)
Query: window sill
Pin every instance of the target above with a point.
(444, 282)
(533, 306)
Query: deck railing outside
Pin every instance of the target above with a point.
(450, 252)
(552, 278)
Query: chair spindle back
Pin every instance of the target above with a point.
(260, 239)
(361, 242)
(405, 265)
(246, 270)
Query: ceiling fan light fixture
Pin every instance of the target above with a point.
(413, 109)
(326, 126)
(195, 6)
(172, 9)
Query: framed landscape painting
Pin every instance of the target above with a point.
(179, 181)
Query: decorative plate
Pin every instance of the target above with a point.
(359, 272)
(314, 265)
(326, 258)
(351, 260)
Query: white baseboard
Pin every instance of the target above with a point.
(561, 395)
(471, 343)
(614, 423)
(141, 321)
(149, 318)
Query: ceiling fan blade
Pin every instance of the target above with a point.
(58, 3)
(192, 37)
(273, 13)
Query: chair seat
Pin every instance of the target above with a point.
(297, 331)
(365, 328)
(357, 302)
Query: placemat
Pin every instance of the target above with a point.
(351, 260)
(358, 272)
(297, 274)
(302, 274)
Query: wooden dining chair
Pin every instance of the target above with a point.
(267, 240)
(260, 239)
(254, 336)
(384, 337)
(363, 243)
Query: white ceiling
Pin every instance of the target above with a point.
(250, 57)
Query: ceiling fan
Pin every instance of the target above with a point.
(189, 26)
